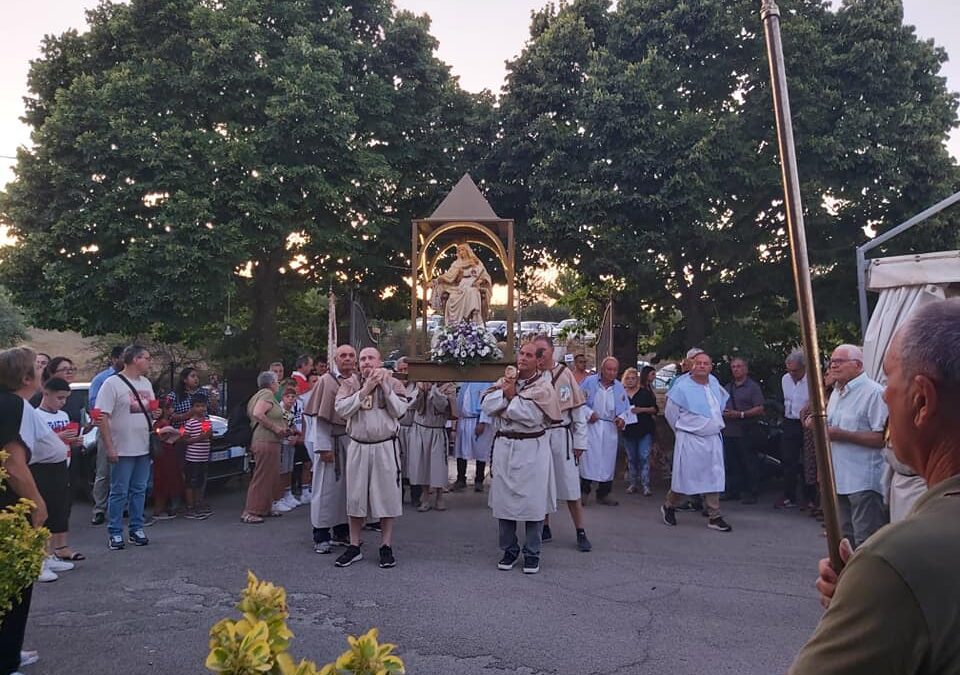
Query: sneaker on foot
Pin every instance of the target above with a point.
(507, 561)
(138, 538)
(280, 506)
(687, 506)
(98, 519)
(669, 515)
(478, 487)
(784, 504)
(54, 564)
(306, 496)
(646, 491)
(374, 526)
(608, 501)
(348, 557)
(718, 524)
(546, 535)
(291, 501)
(164, 515)
(459, 485)
(115, 542)
(337, 540)
(531, 564)
(323, 547)
(386, 557)
(149, 521)
(28, 657)
(583, 544)
(46, 574)
(631, 489)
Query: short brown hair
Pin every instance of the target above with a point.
(16, 366)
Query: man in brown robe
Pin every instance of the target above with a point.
(328, 505)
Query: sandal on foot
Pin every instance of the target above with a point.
(74, 556)
(251, 519)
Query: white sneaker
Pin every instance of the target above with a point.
(291, 501)
(29, 657)
(306, 496)
(54, 564)
(46, 574)
(280, 506)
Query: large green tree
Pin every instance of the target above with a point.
(638, 147)
(179, 142)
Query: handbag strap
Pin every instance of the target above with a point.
(143, 409)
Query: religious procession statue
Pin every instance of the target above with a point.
(463, 292)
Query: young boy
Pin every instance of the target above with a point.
(52, 477)
(293, 416)
(197, 434)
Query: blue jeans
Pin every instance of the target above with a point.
(508, 537)
(128, 481)
(638, 458)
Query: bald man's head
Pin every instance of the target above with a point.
(369, 360)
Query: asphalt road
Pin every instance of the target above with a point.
(648, 599)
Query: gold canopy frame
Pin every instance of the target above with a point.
(463, 216)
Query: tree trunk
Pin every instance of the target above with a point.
(266, 280)
(694, 317)
(626, 330)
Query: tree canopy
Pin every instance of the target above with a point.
(187, 149)
(638, 147)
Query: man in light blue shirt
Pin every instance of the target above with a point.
(116, 365)
(856, 420)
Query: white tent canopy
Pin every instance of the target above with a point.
(905, 284)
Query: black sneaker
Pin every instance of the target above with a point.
(138, 538)
(478, 487)
(115, 542)
(583, 544)
(531, 564)
(546, 535)
(386, 557)
(372, 526)
(718, 524)
(348, 557)
(459, 485)
(687, 506)
(669, 515)
(507, 561)
(98, 519)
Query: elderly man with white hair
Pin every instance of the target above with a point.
(606, 410)
(856, 420)
(894, 610)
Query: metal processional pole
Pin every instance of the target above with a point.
(770, 16)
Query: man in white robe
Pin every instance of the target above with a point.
(568, 439)
(434, 406)
(372, 407)
(474, 438)
(695, 413)
(328, 502)
(607, 410)
(524, 406)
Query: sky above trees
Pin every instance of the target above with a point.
(475, 39)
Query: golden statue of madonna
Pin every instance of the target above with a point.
(463, 292)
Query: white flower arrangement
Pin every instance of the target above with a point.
(464, 344)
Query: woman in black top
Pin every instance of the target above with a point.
(638, 437)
